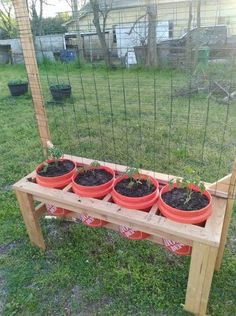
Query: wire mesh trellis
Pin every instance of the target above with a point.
(165, 118)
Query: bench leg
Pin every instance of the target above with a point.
(201, 271)
(31, 222)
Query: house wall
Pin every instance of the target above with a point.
(212, 12)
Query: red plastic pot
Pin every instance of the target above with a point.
(58, 182)
(138, 203)
(99, 192)
(196, 217)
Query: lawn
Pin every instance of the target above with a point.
(131, 117)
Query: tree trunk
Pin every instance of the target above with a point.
(100, 33)
(40, 21)
(198, 44)
(75, 13)
(152, 37)
(188, 41)
(198, 13)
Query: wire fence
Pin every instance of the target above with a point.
(167, 109)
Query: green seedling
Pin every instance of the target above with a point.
(92, 166)
(95, 164)
(186, 182)
(45, 168)
(149, 182)
(131, 172)
(55, 154)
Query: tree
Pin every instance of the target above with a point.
(7, 20)
(53, 25)
(148, 38)
(101, 12)
(35, 16)
(152, 33)
(75, 13)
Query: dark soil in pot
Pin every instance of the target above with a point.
(57, 169)
(137, 190)
(177, 197)
(93, 177)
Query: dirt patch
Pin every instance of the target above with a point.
(4, 249)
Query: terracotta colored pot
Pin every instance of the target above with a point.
(196, 217)
(58, 182)
(99, 192)
(181, 216)
(139, 203)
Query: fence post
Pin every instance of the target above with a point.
(22, 17)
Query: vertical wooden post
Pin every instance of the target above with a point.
(31, 222)
(227, 218)
(200, 277)
(22, 17)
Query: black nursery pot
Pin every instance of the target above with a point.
(18, 89)
(60, 93)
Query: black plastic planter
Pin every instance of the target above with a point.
(18, 89)
(60, 92)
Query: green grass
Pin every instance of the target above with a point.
(96, 272)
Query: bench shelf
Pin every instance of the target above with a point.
(206, 242)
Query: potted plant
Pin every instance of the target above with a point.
(60, 91)
(185, 201)
(18, 87)
(135, 191)
(93, 181)
(56, 172)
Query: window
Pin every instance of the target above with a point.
(224, 20)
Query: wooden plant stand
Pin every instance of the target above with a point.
(207, 242)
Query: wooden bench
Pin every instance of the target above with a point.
(207, 242)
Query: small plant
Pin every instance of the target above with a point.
(131, 172)
(95, 164)
(59, 86)
(149, 182)
(55, 154)
(17, 82)
(186, 182)
(83, 169)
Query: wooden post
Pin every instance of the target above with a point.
(227, 218)
(22, 17)
(200, 277)
(30, 218)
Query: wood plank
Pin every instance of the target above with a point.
(214, 223)
(221, 184)
(40, 210)
(23, 21)
(27, 210)
(228, 215)
(207, 280)
(114, 213)
(158, 237)
(200, 277)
